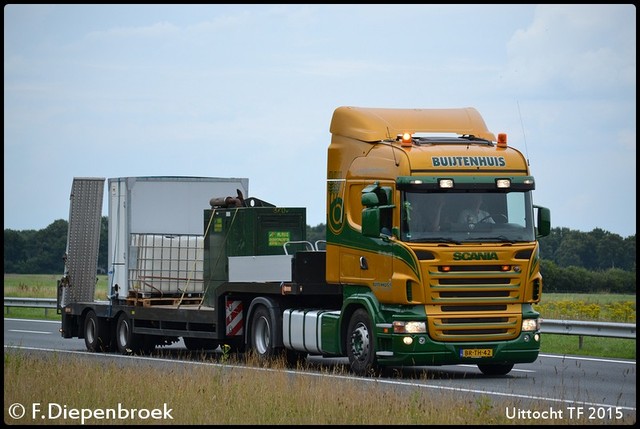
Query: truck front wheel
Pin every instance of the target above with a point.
(97, 337)
(360, 344)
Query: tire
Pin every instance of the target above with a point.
(495, 368)
(199, 344)
(262, 337)
(126, 341)
(262, 334)
(97, 337)
(360, 344)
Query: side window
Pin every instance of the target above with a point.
(353, 204)
(515, 208)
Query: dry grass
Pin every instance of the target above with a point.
(228, 395)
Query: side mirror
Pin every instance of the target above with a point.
(543, 222)
(371, 222)
(370, 199)
(377, 210)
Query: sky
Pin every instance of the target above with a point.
(248, 91)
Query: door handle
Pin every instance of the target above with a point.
(363, 263)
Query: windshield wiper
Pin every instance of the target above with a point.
(436, 240)
(499, 238)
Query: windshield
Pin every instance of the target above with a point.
(467, 217)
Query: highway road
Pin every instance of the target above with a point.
(604, 387)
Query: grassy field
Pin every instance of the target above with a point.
(43, 285)
(599, 307)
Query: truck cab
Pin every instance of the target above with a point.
(431, 230)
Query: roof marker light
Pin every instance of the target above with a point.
(503, 183)
(502, 140)
(407, 140)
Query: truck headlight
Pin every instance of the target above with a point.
(400, 327)
(531, 325)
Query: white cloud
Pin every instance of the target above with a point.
(575, 50)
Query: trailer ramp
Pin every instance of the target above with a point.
(83, 240)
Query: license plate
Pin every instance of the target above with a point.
(476, 353)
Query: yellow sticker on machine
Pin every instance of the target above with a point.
(476, 353)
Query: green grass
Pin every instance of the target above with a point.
(601, 307)
(43, 285)
(615, 348)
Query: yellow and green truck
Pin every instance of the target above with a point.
(430, 258)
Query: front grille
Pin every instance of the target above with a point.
(476, 294)
(466, 308)
(466, 268)
(477, 283)
(475, 332)
(474, 281)
(470, 301)
(470, 320)
(494, 326)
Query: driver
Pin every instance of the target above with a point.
(474, 214)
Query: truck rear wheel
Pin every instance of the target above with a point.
(97, 336)
(262, 340)
(495, 368)
(262, 333)
(360, 344)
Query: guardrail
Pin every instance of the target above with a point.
(548, 326)
(588, 328)
(46, 303)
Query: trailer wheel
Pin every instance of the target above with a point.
(126, 341)
(495, 368)
(360, 344)
(262, 333)
(97, 337)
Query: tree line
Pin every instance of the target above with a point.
(571, 261)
